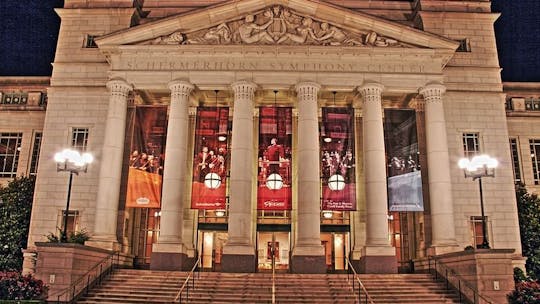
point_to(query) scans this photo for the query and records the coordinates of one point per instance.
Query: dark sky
(29, 29)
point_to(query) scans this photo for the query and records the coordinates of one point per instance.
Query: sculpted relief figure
(250, 32)
(217, 35)
(331, 35)
(174, 38)
(373, 39)
(303, 32)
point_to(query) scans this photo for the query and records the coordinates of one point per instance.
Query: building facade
(308, 133)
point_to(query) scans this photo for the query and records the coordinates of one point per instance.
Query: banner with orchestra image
(338, 159)
(403, 164)
(149, 131)
(210, 159)
(274, 159)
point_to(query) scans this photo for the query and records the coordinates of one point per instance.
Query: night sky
(29, 29)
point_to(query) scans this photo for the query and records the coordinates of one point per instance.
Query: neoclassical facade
(423, 66)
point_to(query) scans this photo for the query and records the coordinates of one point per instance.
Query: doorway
(210, 245)
(336, 248)
(273, 244)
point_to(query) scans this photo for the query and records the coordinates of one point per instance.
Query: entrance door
(336, 247)
(210, 244)
(276, 244)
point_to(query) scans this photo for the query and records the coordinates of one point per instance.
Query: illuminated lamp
(274, 182)
(212, 181)
(336, 182)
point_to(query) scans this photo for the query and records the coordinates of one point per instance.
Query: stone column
(378, 256)
(443, 237)
(110, 173)
(239, 252)
(168, 253)
(308, 253)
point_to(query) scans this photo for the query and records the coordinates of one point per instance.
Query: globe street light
(73, 162)
(476, 168)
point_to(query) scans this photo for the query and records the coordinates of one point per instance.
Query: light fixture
(476, 168)
(274, 182)
(328, 139)
(212, 180)
(74, 163)
(220, 137)
(220, 213)
(336, 182)
(327, 214)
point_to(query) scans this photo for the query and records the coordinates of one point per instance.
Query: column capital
(119, 86)
(432, 90)
(180, 87)
(370, 89)
(308, 88)
(244, 89)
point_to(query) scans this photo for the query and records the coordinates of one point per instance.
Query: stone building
(294, 100)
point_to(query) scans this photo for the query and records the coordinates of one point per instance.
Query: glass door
(336, 248)
(276, 244)
(210, 244)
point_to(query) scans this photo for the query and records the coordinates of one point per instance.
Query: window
(471, 144)
(72, 221)
(514, 151)
(509, 105)
(464, 45)
(16, 98)
(10, 146)
(35, 153)
(532, 104)
(79, 139)
(90, 41)
(477, 229)
(534, 145)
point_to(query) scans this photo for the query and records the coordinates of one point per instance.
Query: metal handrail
(459, 286)
(361, 287)
(185, 285)
(273, 278)
(89, 279)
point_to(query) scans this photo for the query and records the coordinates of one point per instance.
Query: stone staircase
(407, 288)
(143, 286)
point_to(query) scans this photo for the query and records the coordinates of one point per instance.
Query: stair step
(146, 286)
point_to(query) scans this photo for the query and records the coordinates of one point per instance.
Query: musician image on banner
(210, 159)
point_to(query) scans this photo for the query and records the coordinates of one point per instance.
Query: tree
(15, 209)
(529, 227)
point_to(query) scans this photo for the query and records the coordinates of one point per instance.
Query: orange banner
(146, 157)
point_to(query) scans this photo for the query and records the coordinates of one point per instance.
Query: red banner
(338, 160)
(146, 157)
(274, 172)
(210, 159)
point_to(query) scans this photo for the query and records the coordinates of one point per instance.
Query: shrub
(14, 286)
(525, 293)
(78, 237)
(15, 208)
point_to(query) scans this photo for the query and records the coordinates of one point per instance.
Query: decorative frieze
(277, 25)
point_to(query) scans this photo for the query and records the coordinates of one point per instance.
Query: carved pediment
(277, 25)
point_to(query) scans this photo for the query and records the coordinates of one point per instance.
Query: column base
(378, 259)
(378, 264)
(170, 261)
(107, 243)
(238, 263)
(442, 249)
(308, 264)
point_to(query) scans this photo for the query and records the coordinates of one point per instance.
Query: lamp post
(476, 168)
(74, 163)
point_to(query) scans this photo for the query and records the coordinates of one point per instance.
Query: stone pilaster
(168, 253)
(378, 256)
(110, 173)
(308, 254)
(440, 184)
(239, 252)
